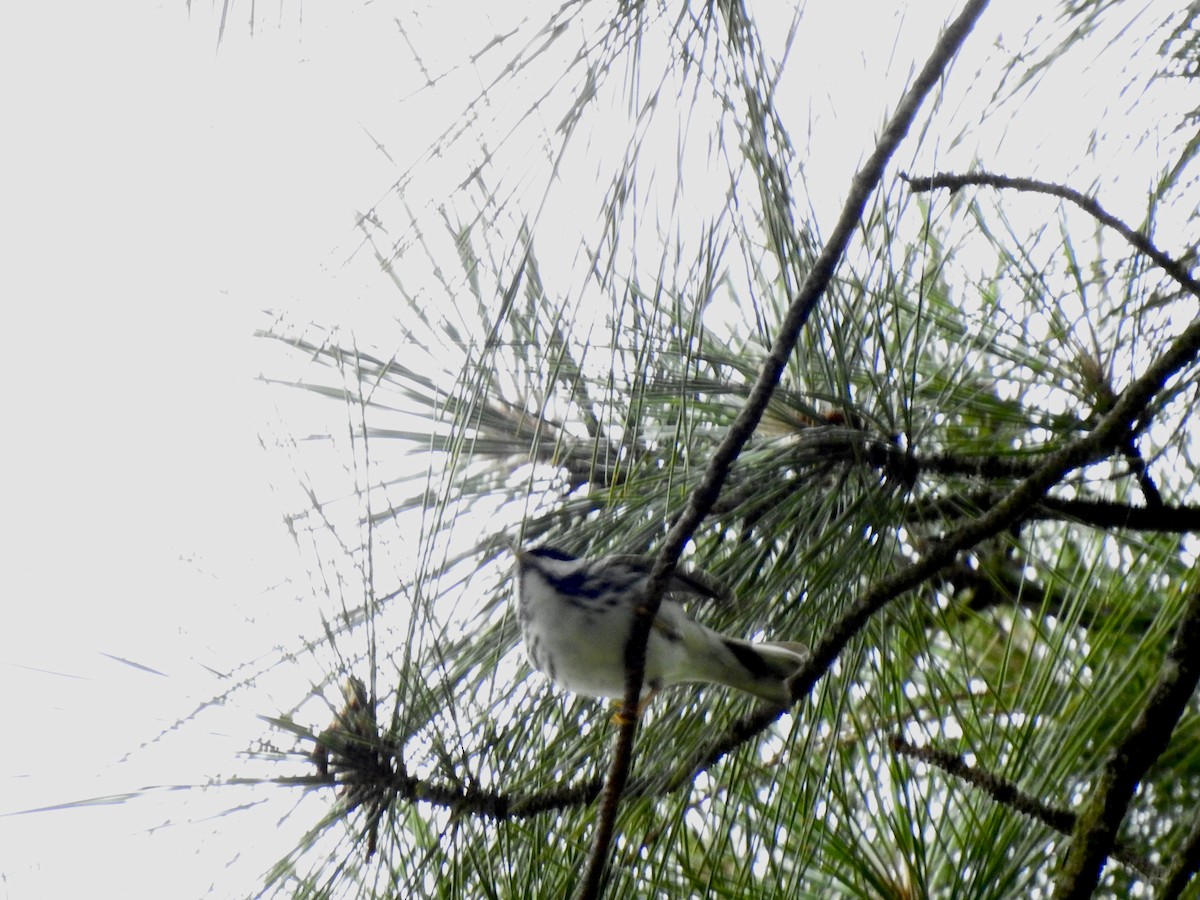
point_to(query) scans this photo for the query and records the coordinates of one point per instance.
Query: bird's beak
(516, 550)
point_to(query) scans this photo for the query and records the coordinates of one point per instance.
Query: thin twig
(1094, 513)
(460, 799)
(706, 493)
(1141, 472)
(1008, 794)
(1089, 205)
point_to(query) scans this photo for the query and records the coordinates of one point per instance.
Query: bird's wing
(683, 581)
(673, 622)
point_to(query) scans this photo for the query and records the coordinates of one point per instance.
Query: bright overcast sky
(155, 196)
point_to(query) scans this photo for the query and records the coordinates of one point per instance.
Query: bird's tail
(761, 669)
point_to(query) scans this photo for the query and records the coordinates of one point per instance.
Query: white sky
(154, 196)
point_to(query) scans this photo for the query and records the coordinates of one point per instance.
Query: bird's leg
(619, 718)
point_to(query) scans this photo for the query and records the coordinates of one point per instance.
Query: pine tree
(932, 420)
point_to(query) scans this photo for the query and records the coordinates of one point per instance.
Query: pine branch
(1095, 833)
(1095, 513)
(1089, 205)
(1186, 865)
(1008, 794)
(1003, 515)
(706, 493)
(1141, 471)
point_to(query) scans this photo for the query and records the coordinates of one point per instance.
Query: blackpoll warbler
(576, 616)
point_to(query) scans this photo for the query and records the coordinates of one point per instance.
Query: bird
(576, 617)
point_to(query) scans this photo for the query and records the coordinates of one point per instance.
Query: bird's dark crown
(552, 553)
